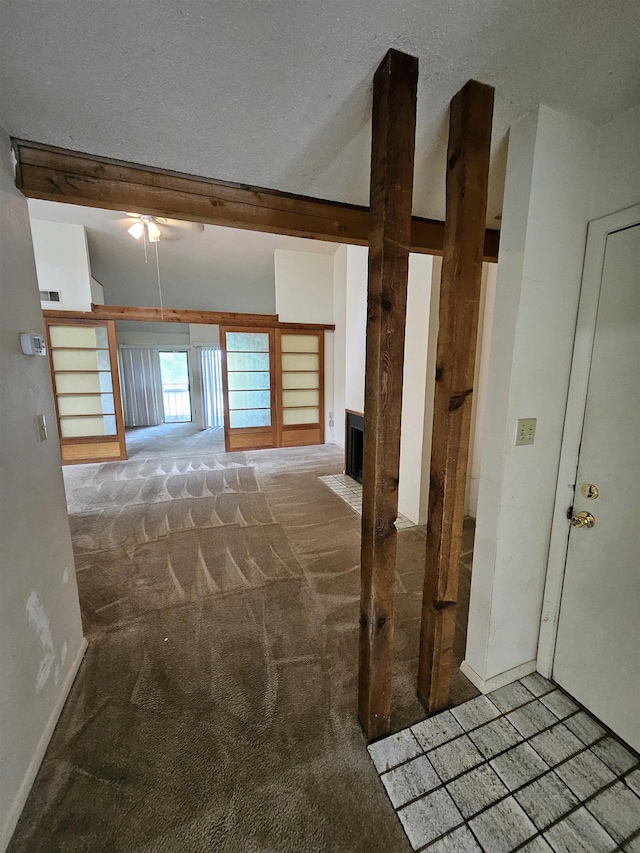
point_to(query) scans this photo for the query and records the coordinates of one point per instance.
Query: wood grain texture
(467, 184)
(57, 174)
(392, 156)
(179, 315)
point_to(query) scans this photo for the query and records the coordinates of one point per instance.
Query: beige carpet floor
(215, 709)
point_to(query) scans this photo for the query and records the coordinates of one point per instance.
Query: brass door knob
(583, 519)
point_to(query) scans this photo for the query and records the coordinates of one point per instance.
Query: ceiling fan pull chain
(159, 285)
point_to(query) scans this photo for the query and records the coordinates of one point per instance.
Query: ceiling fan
(153, 228)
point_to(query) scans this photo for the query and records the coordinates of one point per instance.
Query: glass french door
(176, 391)
(84, 372)
(250, 419)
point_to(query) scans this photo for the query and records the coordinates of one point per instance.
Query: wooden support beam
(56, 174)
(392, 155)
(183, 315)
(180, 315)
(467, 183)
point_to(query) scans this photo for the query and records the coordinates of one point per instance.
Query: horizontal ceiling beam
(182, 315)
(56, 174)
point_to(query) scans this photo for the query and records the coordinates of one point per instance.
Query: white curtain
(141, 386)
(212, 397)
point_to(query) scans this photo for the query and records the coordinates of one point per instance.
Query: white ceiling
(230, 268)
(277, 93)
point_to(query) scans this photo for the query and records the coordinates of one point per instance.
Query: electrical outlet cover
(525, 431)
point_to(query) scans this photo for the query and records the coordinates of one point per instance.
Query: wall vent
(50, 296)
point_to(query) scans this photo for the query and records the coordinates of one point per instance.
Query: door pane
(249, 418)
(291, 399)
(300, 416)
(300, 361)
(176, 396)
(249, 399)
(300, 380)
(246, 381)
(87, 404)
(256, 361)
(81, 359)
(84, 427)
(91, 337)
(247, 342)
(83, 383)
(300, 343)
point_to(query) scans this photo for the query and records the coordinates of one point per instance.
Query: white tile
(618, 810)
(495, 737)
(546, 800)
(394, 750)
(585, 774)
(475, 712)
(559, 704)
(519, 765)
(536, 845)
(579, 832)
(632, 846)
(476, 790)
(410, 780)
(459, 841)
(455, 757)
(633, 781)
(429, 818)
(614, 755)
(537, 684)
(510, 696)
(584, 727)
(503, 827)
(531, 718)
(556, 744)
(437, 730)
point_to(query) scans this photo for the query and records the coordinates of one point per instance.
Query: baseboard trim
(486, 685)
(34, 765)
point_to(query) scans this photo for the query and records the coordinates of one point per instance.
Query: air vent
(49, 296)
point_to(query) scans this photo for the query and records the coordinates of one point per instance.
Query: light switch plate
(526, 431)
(41, 423)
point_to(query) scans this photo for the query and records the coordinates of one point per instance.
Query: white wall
(304, 283)
(480, 381)
(415, 431)
(97, 291)
(618, 178)
(41, 640)
(551, 166)
(304, 286)
(339, 343)
(62, 263)
(356, 327)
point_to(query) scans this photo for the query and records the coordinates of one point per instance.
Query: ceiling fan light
(136, 230)
(154, 232)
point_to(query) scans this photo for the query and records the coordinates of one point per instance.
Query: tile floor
(351, 492)
(523, 768)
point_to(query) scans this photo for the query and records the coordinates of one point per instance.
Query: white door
(597, 656)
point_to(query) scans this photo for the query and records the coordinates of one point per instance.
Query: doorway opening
(176, 390)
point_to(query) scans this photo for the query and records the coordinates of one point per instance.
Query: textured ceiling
(277, 92)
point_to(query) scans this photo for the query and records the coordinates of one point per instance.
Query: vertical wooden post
(467, 184)
(392, 154)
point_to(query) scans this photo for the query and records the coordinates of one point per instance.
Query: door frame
(597, 235)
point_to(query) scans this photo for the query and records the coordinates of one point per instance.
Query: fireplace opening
(355, 445)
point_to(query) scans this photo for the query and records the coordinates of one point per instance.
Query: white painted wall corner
(34, 765)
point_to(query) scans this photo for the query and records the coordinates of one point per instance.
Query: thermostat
(32, 344)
